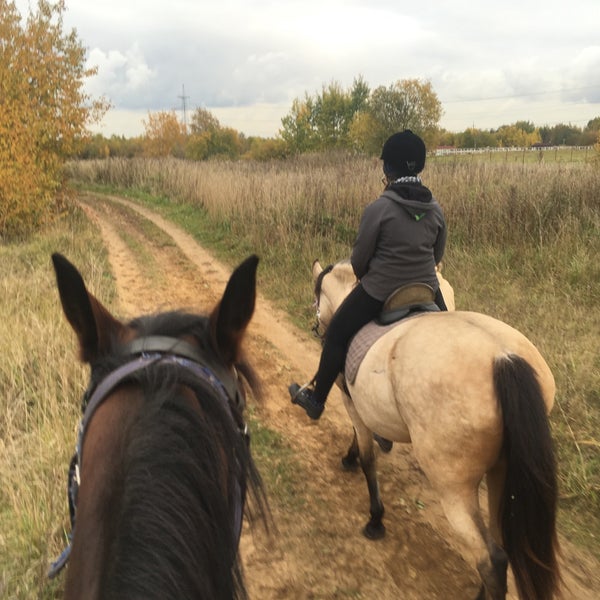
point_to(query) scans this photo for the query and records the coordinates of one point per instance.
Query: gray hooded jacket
(401, 237)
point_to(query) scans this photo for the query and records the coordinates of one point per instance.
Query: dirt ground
(317, 550)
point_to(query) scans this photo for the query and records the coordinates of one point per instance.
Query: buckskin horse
(159, 480)
(472, 395)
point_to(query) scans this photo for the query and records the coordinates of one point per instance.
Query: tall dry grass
(291, 212)
(524, 241)
(41, 383)
(495, 203)
(523, 246)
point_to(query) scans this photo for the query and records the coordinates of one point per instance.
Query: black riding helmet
(403, 154)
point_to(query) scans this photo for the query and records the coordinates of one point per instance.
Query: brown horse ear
(231, 316)
(94, 325)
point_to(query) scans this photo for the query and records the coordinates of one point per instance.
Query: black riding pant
(355, 312)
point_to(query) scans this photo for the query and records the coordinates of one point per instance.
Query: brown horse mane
(172, 533)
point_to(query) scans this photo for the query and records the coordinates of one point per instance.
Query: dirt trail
(318, 550)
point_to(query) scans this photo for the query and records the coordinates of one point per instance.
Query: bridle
(163, 350)
(144, 353)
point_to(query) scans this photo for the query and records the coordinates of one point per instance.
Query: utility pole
(184, 98)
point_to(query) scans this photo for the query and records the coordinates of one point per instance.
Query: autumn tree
(164, 134)
(209, 139)
(406, 104)
(44, 111)
(590, 132)
(360, 118)
(263, 149)
(225, 142)
(297, 126)
(203, 126)
(561, 134)
(323, 122)
(476, 138)
(334, 110)
(515, 136)
(99, 147)
(203, 121)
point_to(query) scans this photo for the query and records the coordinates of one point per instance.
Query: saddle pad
(361, 343)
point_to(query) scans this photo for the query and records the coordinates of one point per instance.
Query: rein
(148, 352)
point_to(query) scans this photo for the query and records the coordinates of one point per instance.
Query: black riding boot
(305, 397)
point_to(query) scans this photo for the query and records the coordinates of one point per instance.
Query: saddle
(407, 301)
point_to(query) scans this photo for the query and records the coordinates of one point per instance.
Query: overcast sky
(490, 63)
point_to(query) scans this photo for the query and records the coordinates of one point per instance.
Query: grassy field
(524, 241)
(548, 155)
(41, 383)
(39, 401)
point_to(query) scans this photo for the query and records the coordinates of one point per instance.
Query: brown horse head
(163, 455)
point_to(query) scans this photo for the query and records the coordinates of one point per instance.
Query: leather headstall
(145, 352)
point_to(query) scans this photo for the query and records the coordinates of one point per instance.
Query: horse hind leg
(495, 479)
(463, 513)
(350, 460)
(493, 574)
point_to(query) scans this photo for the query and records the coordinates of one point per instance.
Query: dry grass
(39, 402)
(523, 246)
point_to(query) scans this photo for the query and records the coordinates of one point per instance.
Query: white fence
(489, 150)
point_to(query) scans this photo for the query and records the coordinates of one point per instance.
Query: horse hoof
(373, 531)
(349, 464)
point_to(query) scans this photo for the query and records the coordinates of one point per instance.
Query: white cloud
(585, 73)
(231, 54)
(119, 74)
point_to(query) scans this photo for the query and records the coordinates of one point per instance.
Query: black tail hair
(528, 506)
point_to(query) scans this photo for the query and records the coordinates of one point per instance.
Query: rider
(401, 238)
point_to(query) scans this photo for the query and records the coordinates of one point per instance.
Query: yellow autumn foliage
(164, 135)
(44, 112)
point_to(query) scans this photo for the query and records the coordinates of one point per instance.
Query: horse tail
(529, 500)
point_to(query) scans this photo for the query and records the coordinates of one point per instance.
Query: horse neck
(337, 287)
(102, 452)
(122, 543)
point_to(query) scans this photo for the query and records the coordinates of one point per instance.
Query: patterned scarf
(407, 179)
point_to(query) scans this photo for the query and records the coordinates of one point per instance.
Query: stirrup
(294, 389)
